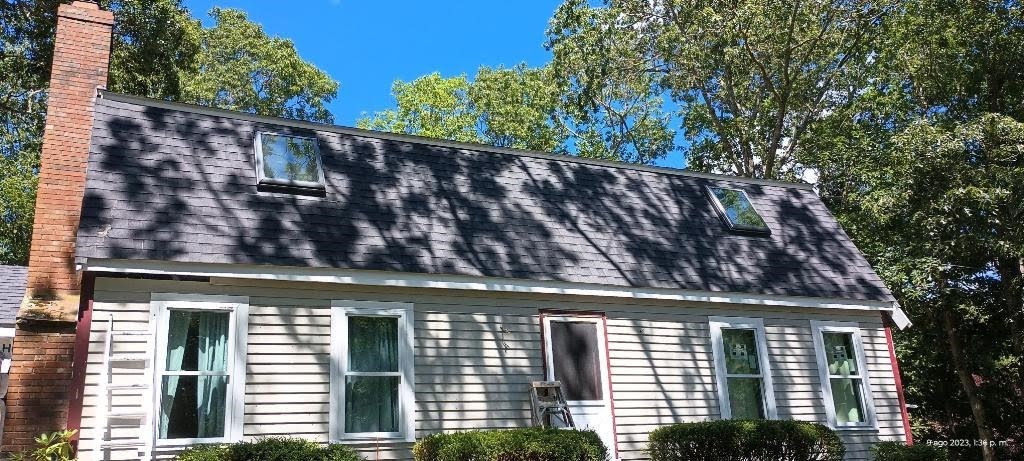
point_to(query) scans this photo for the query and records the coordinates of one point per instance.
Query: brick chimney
(40, 379)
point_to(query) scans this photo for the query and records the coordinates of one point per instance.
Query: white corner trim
(466, 282)
(817, 328)
(340, 311)
(716, 324)
(7, 332)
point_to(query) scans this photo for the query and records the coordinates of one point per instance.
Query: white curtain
(211, 391)
(177, 336)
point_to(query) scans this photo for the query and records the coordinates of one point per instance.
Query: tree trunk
(967, 383)
(1011, 277)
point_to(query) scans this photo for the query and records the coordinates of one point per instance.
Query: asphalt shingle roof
(176, 183)
(12, 290)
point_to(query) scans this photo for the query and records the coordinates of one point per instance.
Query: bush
(529, 444)
(745, 440)
(270, 449)
(54, 446)
(897, 451)
(206, 453)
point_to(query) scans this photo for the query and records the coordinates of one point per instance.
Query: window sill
(185, 443)
(855, 428)
(368, 437)
(311, 191)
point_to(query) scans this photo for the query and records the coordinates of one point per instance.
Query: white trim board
(465, 282)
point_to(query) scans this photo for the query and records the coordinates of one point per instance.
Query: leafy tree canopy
(748, 78)
(159, 50)
(525, 108)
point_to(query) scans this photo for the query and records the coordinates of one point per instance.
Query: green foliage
(158, 50)
(749, 77)
(55, 446)
(240, 68)
(925, 172)
(525, 108)
(205, 453)
(506, 107)
(431, 106)
(745, 440)
(270, 449)
(529, 444)
(897, 451)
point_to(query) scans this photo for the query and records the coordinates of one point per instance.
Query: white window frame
(161, 305)
(341, 310)
(716, 325)
(818, 328)
(720, 208)
(262, 179)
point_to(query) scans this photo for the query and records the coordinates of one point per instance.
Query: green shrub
(54, 446)
(271, 449)
(897, 451)
(529, 444)
(745, 440)
(205, 453)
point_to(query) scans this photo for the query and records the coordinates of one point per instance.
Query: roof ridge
(415, 139)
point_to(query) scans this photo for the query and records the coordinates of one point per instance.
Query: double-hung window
(199, 367)
(742, 371)
(372, 370)
(845, 386)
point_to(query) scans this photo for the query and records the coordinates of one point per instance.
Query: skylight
(288, 161)
(735, 208)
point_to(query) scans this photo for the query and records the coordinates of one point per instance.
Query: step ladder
(106, 418)
(548, 402)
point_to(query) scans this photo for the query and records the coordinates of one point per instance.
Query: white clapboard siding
(477, 352)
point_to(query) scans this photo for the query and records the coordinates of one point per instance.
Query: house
(290, 278)
(12, 290)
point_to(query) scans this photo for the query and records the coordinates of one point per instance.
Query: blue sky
(366, 45)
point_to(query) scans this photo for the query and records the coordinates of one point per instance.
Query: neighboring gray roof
(12, 290)
(176, 182)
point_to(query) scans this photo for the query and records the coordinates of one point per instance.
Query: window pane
(197, 340)
(192, 406)
(371, 404)
(740, 352)
(373, 344)
(745, 398)
(738, 209)
(576, 359)
(841, 356)
(290, 158)
(847, 400)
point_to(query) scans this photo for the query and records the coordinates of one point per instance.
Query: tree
(925, 171)
(240, 68)
(524, 108)
(158, 50)
(431, 106)
(749, 77)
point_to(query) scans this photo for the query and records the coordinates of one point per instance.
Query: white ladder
(142, 417)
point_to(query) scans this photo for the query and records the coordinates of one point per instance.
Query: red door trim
(81, 354)
(899, 383)
(607, 355)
